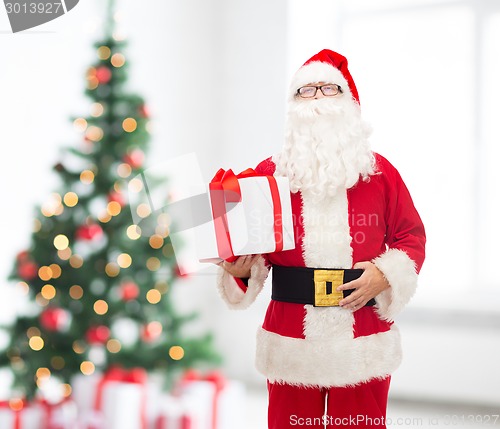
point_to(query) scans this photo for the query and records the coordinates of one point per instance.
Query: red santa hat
(325, 66)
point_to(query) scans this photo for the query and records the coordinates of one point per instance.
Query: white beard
(326, 146)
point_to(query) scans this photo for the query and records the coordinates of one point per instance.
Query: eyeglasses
(328, 90)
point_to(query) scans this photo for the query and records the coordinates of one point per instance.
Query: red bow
(215, 377)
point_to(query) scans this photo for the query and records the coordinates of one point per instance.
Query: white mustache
(306, 109)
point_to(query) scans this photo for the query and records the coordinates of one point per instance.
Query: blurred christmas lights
(153, 263)
(133, 232)
(103, 52)
(118, 60)
(87, 367)
(61, 242)
(76, 292)
(124, 260)
(176, 352)
(80, 124)
(153, 296)
(36, 343)
(87, 177)
(112, 269)
(113, 346)
(129, 125)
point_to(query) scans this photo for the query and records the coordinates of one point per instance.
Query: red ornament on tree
(151, 332)
(117, 197)
(97, 334)
(89, 232)
(129, 290)
(135, 158)
(27, 270)
(103, 74)
(144, 111)
(54, 319)
(23, 255)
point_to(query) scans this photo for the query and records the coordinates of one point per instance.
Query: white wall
(41, 86)
(449, 356)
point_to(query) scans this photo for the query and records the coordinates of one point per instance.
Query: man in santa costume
(328, 344)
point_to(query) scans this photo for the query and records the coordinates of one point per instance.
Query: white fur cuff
(233, 295)
(400, 272)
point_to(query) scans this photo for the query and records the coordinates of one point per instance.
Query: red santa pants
(360, 406)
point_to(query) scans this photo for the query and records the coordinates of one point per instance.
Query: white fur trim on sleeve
(231, 293)
(400, 272)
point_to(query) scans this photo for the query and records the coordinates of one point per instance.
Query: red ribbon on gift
(134, 375)
(49, 408)
(219, 382)
(17, 408)
(185, 422)
(224, 188)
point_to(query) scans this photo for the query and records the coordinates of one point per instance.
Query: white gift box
(210, 408)
(230, 407)
(84, 391)
(122, 404)
(65, 417)
(175, 413)
(255, 224)
(30, 417)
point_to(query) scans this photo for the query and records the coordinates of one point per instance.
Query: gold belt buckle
(325, 287)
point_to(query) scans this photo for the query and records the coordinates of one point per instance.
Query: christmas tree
(98, 286)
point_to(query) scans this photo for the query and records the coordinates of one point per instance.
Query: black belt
(314, 286)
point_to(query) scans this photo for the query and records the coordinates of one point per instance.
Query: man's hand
(368, 286)
(241, 267)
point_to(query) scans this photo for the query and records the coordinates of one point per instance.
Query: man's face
(326, 142)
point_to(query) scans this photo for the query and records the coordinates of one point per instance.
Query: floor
(400, 414)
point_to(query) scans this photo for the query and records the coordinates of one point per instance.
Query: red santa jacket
(305, 345)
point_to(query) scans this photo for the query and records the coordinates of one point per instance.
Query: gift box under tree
(37, 414)
(203, 402)
(114, 400)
